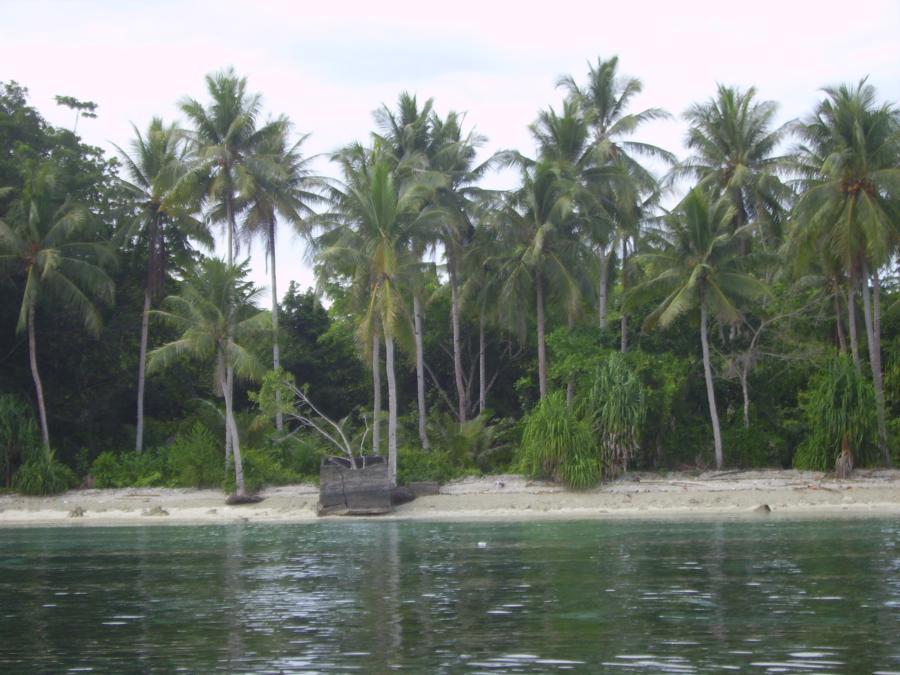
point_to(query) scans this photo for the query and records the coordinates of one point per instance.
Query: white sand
(790, 494)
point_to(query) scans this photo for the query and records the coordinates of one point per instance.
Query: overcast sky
(328, 65)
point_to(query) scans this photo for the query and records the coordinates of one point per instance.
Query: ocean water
(766, 596)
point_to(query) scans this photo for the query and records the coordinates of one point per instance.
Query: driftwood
(354, 487)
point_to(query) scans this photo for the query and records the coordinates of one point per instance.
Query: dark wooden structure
(346, 490)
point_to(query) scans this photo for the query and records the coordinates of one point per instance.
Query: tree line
(575, 310)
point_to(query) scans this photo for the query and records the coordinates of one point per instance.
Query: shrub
(415, 464)
(261, 467)
(839, 409)
(754, 448)
(557, 443)
(616, 408)
(19, 436)
(475, 443)
(129, 469)
(42, 474)
(196, 459)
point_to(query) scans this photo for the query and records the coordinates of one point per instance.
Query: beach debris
(499, 484)
(482, 544)
(155, 511)
(237, 500)
(401, 495)
(763, 508)
(77, 512)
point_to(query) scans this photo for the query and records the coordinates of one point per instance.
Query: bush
(129, 469)
(42, 474)
(261, 468)
(415, 464)
(19, 436)
(839, 409)
(754, 448)
(302, 454)
(475, 443)
(558, 444)
(196, 459)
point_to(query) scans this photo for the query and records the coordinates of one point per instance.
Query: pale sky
(328, 65)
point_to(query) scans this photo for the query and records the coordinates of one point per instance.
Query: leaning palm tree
(47, 242)
(699, 267)
(214, 315)
(850, 162)
(164, 225)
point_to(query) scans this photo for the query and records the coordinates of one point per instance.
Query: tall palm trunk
(376, 393)
(231, 428)
(623, 346)
(36, 376)
(420, 370)
(839, 325)
(710, 391)
(602, 305)
(142, 368)
(392, 408)
(542, 353)
(873, 341)
(851, 322)
(457, 341)
(276, 355)
(482, 365)
(570, 385)
(876, 319)
(231, 226)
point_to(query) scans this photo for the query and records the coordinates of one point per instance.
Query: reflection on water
(765, 597)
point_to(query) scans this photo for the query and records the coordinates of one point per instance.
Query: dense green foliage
(512, 329)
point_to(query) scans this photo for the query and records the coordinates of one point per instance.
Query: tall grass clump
(840, 414)
(19, 436)
(43, 474)
(615, 407)
(557, 443)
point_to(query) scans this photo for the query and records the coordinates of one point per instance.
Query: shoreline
(726, 495)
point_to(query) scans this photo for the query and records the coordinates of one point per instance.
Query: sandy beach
(739, 494)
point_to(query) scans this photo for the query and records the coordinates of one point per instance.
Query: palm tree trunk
(873, 343)
(276, 355)
(851, 322)
(482, 365)
(745, 393)
(392, 408)
(142, 367)
(231, 226)
(603, 293)
(542, 353)
(876, 320)
(376, 393)
(35, 375)
(570, 385)
(457, 342)
(842, 342)
(420, 370)
(623, 346)
(710, 391)
(231, 426)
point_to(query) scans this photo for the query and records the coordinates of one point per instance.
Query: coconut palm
(371, 223)
(286, 192)
(164, 225)
(699, 268)
(849, 158)
(733, 142)
(48, 242)
(226, 142)
(542, 255)
(214, 315)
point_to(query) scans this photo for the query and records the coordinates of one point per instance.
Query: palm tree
(699, 268)
(615, 170)
(48, 240)
(541, 253)
(214, 315)
(226, 142)
(287, 193)
(851, 183)
(733, 143)
(154, 167)
(371, 224)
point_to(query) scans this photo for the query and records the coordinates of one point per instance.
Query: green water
(762, 596)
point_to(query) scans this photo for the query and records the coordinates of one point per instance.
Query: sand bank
(739, 494)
